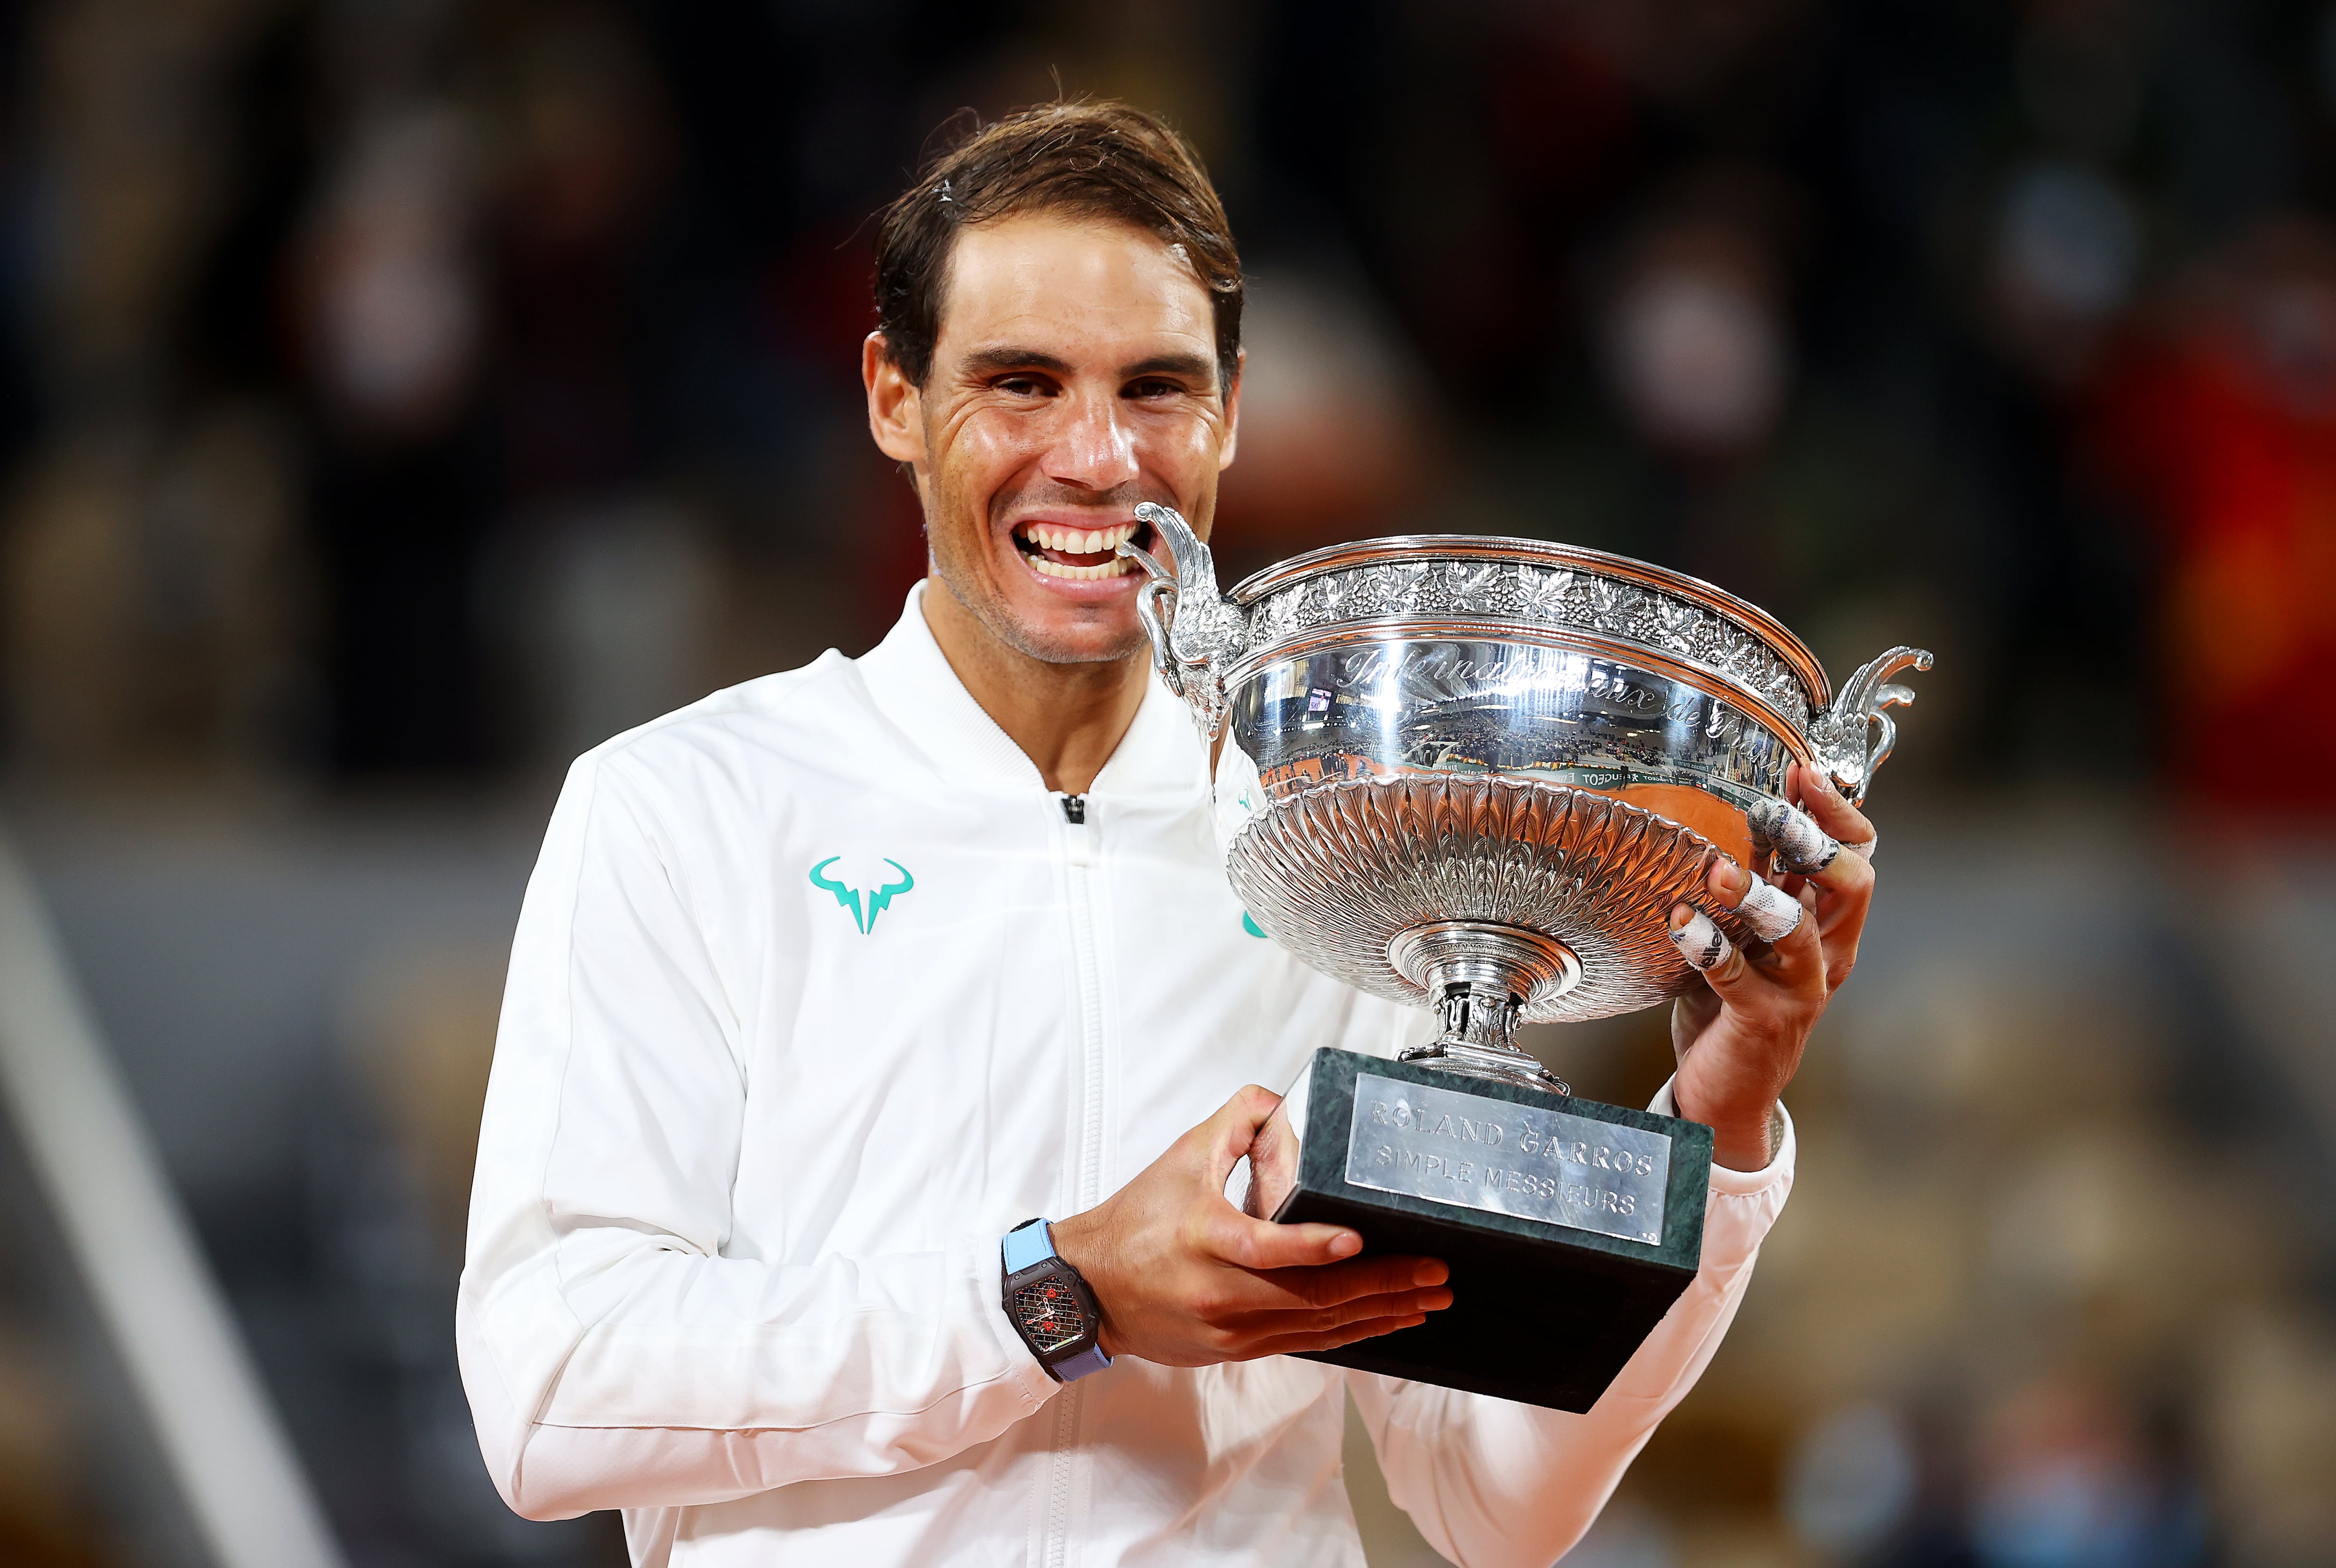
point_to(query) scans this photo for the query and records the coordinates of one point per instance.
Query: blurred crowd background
(399, 396)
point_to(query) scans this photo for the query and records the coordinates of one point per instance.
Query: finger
(1328, 1289)
(1801, 948)
(1273, 1322)
(1772, 912)
(1703, 944)
(1847, 884)
(1229, 1134)
(1803, 845)
(1249, 1125)
(1262, 1246)
(1307, 1344)
(1810, 852)
(1788, 964)
(1831, 811)
(1840, 920)
(1844, 889)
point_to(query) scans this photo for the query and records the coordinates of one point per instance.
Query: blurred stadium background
(399, 396)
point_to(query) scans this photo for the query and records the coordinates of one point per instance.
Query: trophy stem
(1481, 977)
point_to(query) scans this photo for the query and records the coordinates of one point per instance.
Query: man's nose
(1095, 448)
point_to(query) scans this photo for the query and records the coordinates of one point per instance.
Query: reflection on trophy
(1474, 775)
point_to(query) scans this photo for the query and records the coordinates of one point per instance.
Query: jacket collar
(910, 682)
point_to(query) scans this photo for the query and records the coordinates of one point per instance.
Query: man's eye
(1021, 385)
(1154, 389)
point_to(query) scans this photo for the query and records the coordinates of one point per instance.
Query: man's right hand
(1184, 1279)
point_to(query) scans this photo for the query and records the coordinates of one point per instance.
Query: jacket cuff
(1742, 1183)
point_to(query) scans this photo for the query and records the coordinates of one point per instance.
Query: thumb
(1232, 1131)
(1251, 1241)
(1273, 1167)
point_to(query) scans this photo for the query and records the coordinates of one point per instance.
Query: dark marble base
(1543, 1314)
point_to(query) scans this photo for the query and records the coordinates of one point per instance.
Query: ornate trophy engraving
(1475, 774)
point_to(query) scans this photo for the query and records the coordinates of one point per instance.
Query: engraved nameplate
(1475, 1153)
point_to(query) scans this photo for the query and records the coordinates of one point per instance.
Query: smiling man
(827, 985)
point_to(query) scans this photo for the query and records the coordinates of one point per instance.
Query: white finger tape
(1793, 834)
(1700, 941)
(1770, 911)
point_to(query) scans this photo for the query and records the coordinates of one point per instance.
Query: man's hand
(1187, 1280)
(1739, 1036)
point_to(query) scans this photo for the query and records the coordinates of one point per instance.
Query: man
(827, 983)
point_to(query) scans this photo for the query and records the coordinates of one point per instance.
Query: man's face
(1074, 377)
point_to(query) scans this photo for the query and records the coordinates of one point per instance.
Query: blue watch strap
(1071, 1368)
(1032, 1243)
(1029, 1243)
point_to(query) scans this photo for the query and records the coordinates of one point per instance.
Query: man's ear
(895, 407)
(1232, 411)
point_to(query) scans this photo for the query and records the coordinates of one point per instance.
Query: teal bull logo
(864, 906)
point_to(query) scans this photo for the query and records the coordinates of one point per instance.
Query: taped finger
(1772, 912)
(1701, 942)
(1816, 794)
(1804, 847)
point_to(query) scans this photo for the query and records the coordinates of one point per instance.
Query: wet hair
(1096, 160)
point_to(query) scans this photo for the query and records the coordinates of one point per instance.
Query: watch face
(1049, 1314)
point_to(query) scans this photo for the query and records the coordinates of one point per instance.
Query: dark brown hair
(1104, 160)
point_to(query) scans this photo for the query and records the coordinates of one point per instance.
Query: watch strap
(1031, 1242)
(1071, 1368)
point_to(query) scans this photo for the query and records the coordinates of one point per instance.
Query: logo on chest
(862, 904)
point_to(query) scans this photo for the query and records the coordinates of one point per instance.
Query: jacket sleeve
(1492, 1483)
(613, 1355)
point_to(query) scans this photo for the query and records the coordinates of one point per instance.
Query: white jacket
(816, 992)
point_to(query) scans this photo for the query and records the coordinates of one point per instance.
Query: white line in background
(153, 1288)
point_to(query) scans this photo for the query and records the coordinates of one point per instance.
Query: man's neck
(1068, 718)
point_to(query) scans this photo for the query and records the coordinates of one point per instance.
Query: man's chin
(1050, 628)
(1081, 648)
(1056, 636)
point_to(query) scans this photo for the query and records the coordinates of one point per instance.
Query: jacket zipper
(1087, 1186)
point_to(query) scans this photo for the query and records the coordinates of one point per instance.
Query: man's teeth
(1078, 541)
(1047, 569)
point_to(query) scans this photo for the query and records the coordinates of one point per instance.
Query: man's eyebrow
(1193, 367)
(984, 362)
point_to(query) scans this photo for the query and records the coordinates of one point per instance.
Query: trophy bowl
(1475, 774)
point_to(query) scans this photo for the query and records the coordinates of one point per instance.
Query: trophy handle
(1199, 634)
(1854, 737)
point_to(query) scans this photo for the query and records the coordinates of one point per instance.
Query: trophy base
(1570, 1227)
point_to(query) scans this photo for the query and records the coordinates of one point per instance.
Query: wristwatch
(1050, 1304)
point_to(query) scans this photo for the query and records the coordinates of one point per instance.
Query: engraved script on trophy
(1472, 1152)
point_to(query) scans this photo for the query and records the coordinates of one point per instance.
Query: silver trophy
(1474, 775)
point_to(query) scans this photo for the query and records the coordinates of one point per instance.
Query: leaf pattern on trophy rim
(1494, 588)
(1372, 591)
(1431, 591)
(1676, 622)
(1521, 591)
(1642, 619)
(1545, 591)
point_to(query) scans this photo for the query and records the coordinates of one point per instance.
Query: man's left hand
(1739, 1035)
